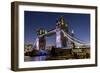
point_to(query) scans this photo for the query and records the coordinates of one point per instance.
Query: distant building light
(72, 31)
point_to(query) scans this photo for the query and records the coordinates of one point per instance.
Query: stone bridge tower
(41, 40)
(61, 40)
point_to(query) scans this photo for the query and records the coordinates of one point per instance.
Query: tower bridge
(63, 38)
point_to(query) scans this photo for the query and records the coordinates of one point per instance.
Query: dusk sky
(80, 23)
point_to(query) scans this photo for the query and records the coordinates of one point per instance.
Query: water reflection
(36, 58)
(41, 56)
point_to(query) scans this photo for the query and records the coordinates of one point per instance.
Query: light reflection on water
(39, 58)
(42, 56)
(36, 58)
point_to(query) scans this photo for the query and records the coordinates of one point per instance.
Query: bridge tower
(61, 40)
(41, 41)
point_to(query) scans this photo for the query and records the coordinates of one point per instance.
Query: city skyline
(80, 23)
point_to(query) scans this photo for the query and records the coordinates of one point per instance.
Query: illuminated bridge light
(41, 31)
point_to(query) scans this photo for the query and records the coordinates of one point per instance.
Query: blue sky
(80, 23)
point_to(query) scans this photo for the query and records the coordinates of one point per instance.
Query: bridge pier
(40, 43)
